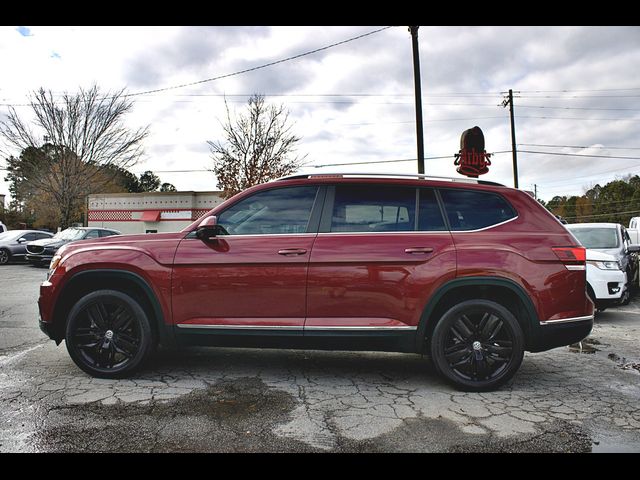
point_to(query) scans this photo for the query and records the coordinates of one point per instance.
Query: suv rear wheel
(108, 334)
(477, 345)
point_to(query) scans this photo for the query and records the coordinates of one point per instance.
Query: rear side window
(473, 210)
(373, 208)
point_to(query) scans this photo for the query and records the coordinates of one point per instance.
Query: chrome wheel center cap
(477, 346)
(109, 335)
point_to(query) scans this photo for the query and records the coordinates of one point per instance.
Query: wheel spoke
(127, 343)
(120, 316)
(455, 353)
(460, 330)
(502, 352)
(95, 316)
(491, 329)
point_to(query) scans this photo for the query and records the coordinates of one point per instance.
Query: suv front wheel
(477, 345)
(108, 334)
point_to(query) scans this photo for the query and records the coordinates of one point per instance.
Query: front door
(254, 278)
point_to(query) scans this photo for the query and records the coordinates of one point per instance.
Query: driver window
(277, 211)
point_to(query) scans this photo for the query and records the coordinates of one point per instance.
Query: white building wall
(125, 211)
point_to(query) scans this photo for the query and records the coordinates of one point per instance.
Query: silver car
(13, 243)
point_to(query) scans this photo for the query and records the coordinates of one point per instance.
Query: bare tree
(83, 135)
(259, 147)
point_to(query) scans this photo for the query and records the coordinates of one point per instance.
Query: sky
(576, 94)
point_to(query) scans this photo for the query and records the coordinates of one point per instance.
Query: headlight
(605, 265)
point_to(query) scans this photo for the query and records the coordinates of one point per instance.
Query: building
(151, 212)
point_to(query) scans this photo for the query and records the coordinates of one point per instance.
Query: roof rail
(388, 175)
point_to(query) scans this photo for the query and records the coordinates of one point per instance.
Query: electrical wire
(576, 146)
(252, 69)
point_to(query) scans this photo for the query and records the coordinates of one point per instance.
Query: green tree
(167, 187)
(149, 181)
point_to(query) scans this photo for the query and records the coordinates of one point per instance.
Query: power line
(579, 155)
(579, 118)
(604, 214)
(247, 70)
(394, 161)
(574, 91)
(578, 108)
(577, 146)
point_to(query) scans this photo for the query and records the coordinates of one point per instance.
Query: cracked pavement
(226, 400)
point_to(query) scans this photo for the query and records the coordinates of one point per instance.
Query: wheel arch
(501, 290)
(124, 281)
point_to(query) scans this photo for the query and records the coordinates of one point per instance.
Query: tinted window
(373, 208)
(29, 236)
(92, 234)
(281, 210)
(106, 233)
(43, 235)
(429, 215)
(472, 210)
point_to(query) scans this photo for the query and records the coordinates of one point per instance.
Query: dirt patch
(588, 345)
(229, 416)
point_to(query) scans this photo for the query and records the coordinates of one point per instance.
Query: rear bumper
(559, 333)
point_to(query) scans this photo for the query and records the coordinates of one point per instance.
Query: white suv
(606, 281)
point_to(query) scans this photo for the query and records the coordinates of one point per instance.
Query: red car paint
(305, 283)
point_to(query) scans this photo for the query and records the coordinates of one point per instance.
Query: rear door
(381, 251)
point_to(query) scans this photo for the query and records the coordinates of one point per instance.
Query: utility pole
(509, 101)
(416, 82)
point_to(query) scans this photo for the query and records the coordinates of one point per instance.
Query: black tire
(477, 345)
(5, 256)
(108, 334)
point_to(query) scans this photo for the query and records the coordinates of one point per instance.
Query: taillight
(574, 258)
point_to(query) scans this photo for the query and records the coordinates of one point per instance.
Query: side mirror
(22, 240)
(209, 228)
(634, 248)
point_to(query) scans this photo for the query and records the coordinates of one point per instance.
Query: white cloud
(454, 60)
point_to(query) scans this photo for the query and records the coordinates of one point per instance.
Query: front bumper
(601, 282)
(39, 258)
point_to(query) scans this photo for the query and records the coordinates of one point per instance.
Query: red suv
(470, 272)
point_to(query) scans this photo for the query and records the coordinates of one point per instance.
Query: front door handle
(418, 250)
(292, 251)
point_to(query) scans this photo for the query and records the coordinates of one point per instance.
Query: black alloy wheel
(108, 334)
(5, 256)
(477, 345)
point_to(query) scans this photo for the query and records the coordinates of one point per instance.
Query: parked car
(3, 228)
(471, 272)
(40, 252)
(612, 239)
(13, 243)
(606, 281)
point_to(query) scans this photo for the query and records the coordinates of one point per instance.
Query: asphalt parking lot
(238, 400)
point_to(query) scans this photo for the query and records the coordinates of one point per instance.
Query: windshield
(70, 234)
(597, 237)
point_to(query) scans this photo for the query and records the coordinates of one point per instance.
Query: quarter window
(373, 208)
(277, 211)
(472, 210)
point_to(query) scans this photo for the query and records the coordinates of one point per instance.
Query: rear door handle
(418, 250)
(292, 251)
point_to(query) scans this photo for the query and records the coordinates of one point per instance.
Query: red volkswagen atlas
(471, 272)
